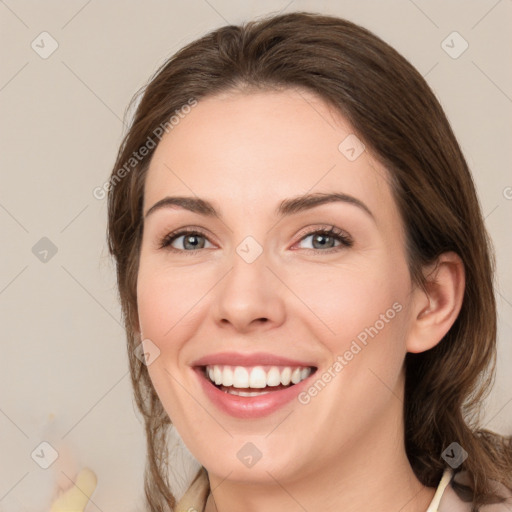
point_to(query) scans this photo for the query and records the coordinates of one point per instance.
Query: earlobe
(437, 307)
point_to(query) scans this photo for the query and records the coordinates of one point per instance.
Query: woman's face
(259, 277)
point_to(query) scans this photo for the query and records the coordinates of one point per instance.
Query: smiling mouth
(255, 380)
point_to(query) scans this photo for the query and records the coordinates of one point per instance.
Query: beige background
(63, 370)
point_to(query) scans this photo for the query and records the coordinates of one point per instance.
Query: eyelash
(345, 239)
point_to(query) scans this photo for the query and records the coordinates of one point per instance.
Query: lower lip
(250, 406)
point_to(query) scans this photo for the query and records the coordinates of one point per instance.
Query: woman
(302, 261)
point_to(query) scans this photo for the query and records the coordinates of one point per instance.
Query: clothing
(445, 499)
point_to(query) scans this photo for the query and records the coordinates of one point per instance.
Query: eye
(325, 239)
(191, 240)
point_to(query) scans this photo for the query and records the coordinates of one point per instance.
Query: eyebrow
(286, 207)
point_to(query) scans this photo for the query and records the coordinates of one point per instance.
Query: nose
(249, 296)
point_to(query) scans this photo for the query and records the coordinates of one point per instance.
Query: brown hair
(395, 113)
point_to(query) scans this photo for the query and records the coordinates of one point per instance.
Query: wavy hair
(395, 113)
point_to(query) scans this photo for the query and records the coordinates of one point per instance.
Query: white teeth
(256, 377)
(217, 375)
(296, 375)
(273, 376)
(304, 373)
(286, 376)
(227, 376)
(240, 377)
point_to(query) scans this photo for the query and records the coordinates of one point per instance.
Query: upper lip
(254, 359)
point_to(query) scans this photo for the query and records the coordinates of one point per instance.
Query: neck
(373, 473)
(389, 491)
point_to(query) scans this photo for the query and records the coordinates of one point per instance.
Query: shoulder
(450, 501)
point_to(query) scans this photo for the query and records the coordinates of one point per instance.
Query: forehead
(251, 150)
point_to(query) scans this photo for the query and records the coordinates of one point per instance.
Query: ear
(436, 309)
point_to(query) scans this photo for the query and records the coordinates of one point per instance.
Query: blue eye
(190, 240)
(324, 240)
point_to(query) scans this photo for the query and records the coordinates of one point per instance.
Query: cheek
(359, 313)
(168, 298)
(366, 313)
(348, 299)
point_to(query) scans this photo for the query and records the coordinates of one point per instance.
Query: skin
(246, 152)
